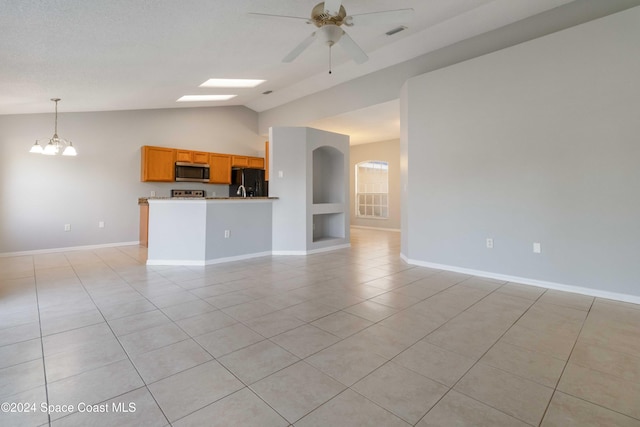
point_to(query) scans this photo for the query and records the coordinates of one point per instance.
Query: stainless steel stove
(187, 193)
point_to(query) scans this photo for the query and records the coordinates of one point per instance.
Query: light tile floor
(353, 337)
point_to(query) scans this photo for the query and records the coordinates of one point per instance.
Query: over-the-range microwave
(193, 172)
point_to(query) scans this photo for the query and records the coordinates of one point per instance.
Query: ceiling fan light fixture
(330, 34)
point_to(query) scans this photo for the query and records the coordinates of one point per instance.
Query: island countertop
(142, 200)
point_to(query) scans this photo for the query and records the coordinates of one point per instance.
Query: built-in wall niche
(328, 175)
(328, 227)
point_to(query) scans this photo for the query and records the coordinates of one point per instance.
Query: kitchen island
(201, 231)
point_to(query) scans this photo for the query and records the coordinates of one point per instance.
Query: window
(372, 189)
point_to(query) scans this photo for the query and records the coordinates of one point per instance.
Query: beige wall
(388, 151)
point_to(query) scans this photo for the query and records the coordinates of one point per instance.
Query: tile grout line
(114, 335)
(555, 388)
(44, 364)
(246, 386)
(483, 354)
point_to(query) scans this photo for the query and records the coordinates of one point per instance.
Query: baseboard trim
(395, 230)
(188, 262)
(328, 248)
(527, 281)
(312, 251)
(69, 249)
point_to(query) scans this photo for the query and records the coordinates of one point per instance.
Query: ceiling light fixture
(232, 83)
(55, 143)
(196, 98)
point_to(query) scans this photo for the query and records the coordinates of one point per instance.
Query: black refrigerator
(253, 181)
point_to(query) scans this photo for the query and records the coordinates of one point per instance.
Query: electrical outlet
(280, 174)
(153, 194)
(489, 243)
(227, 233)
(101, 224)
(67, 227)
(536, 248)
(212, 194)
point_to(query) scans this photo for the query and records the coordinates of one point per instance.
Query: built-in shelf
(328, 175)
(327, 208)
(328, 226)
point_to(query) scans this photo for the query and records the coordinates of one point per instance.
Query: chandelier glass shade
(55, 145)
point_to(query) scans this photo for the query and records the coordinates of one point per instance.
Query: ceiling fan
(329, 16)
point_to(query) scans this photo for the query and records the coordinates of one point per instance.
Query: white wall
(388, 151)
(534, 143)
(39, 194)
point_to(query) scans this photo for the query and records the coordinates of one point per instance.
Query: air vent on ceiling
(396, 30)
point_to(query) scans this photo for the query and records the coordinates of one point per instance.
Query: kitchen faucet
(241, 189)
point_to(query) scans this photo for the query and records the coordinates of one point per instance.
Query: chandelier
(55, 143)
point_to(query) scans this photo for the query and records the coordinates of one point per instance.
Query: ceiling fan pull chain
(329, 59)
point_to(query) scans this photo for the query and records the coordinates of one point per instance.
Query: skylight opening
(197, 98)
(232, 83)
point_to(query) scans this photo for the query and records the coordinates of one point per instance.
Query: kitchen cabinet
(184, 156)
(157, 164)
(144, 223)
(189, 156)
(266, 161)
(240, 161)
(256, 162)
(220, 168)
(200, 157)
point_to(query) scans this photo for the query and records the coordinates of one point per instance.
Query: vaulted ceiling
(143, 54)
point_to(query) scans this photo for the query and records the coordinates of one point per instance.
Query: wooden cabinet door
(220, 168)
(158, 164)
(241, 161)
(200, 157)
(256, 162)
(184, 156)
(144, 224)
(266, 161)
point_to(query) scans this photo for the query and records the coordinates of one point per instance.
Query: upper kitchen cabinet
(240, 161)
(220, 168)
(200, 157)
(184, 156)
(189, 156)
(247, 162)
(256, 162)
(157, 164)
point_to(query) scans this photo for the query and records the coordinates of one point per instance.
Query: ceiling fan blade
(385, 17)
(353, 49)
(269, 16)
(300, 48)
(333, 6)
